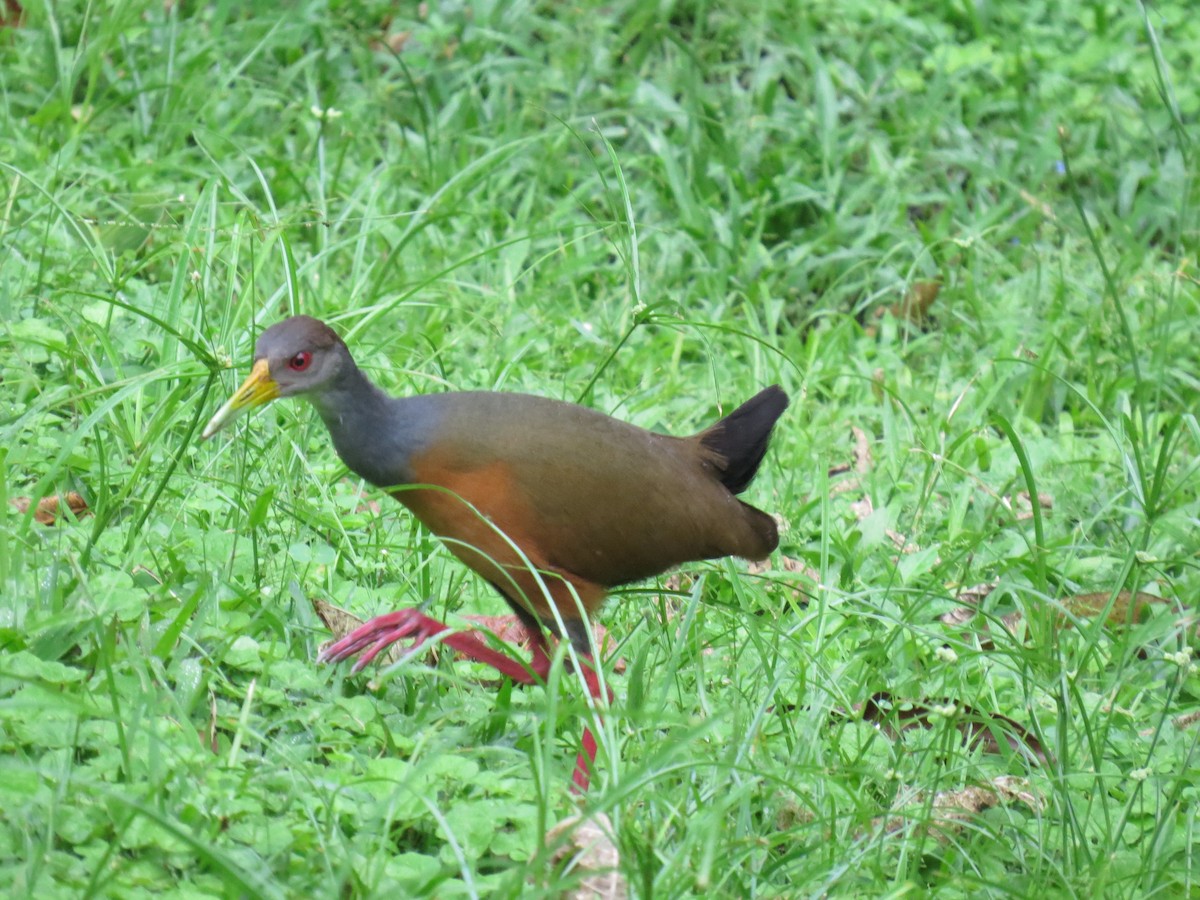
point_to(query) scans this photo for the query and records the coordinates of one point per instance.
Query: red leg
(585, 763)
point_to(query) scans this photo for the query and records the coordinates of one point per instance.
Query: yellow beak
(258, 388)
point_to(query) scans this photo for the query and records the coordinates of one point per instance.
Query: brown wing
(579, 491)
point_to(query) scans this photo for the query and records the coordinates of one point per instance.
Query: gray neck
(370, 431)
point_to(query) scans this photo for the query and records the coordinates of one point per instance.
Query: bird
(552, 503)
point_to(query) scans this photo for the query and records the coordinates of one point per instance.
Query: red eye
(300, 361)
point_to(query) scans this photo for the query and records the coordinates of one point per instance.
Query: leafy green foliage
(656, 209)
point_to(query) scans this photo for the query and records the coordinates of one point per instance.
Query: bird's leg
(585, 762)
(375, 636)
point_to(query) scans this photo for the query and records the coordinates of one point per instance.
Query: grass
(655, 209)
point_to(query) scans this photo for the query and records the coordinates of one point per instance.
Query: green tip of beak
(258, 388)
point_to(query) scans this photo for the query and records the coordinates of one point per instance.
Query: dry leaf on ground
(862, 451)
(892, 716)
(679, 582)
(1186, 721)
(50, 509)
(790, 565)
(917, 302)
(951, 810)
(900, 542)
(1021, 507)
(861, 465)
(975, 594)
(584, 847)
(1126, 607)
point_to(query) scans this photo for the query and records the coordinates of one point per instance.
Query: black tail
(740, 439)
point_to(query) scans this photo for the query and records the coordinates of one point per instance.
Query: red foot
(377, 635)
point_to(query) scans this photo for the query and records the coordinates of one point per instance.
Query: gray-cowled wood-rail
(552, 503)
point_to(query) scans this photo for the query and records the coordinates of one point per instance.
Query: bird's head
(297, 356)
